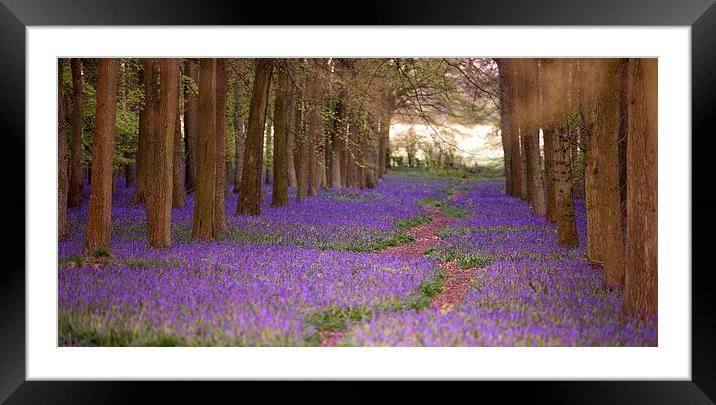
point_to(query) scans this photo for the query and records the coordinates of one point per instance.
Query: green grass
(464, 260)
(412, 221)
(487, 171)
(444, 206)
(338, 318)
(374, 245)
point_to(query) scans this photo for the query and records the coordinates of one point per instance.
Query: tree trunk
(62, 181)
(203, 228)
(220, 193)
(610, 203)
(250, 192)
(128, 172)
(291, 134)
(370, 154)
(504, 126)
(524, 190)
(99, 218)
(640, 288)
(534, 181)
(191, 119)
(238, 128)
(556, 108)
(146, 129)
(161, 175)
(74, 198)
(301, 153)
(280, 154)
(337, 146)
(547, 137)
(267, 168)
(513, 128)
(314, 136)
(623, 132)
(178, 190)
(600, 84)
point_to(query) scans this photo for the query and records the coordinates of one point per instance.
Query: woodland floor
(419, 261)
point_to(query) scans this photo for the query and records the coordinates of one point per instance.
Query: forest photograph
(357, 202)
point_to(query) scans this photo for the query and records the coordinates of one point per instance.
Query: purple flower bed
(224, 294)
(335, 219)
(533, 302)
(252, 288)
(532, 292)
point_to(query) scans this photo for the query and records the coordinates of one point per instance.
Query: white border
(670, 360)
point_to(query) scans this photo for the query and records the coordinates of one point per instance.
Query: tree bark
(62, 181)
(291, 134)
(203, 228)
(531, 136)
(301, 153)
(220, 193)
(191, 118)
(239, 127)
(640, 288)
(280, 154)
(337, 146)
(99, 218)
(161, 175)
(600, 84)
(314, 135)
(250, 192)
(505, 131)
(76, 178)
(178, 190)
(555, 98)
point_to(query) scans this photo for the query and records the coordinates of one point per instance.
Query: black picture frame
(15, 15)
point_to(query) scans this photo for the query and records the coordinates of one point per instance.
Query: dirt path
(458, 279)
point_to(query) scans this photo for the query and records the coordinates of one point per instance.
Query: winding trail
(458, 279)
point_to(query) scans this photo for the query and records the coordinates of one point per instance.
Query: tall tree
(280, 121)
(147, 127)
(203, 228)
(556, 112)
(640, 288)
(161, 173)
(513, 127)
(191, 119)
(220, 195)
(99, 218)
(178, 190)
(76, 177)
(238, 125)
(601, 81)
(337, 147)
(62, 181)
(250, 192)
(301, 152)
(530, 98)
(314, 134)
(291, 132)
(504, 125)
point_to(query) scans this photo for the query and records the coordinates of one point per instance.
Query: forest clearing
(272, 202)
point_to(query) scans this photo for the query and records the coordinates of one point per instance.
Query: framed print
(413, 186)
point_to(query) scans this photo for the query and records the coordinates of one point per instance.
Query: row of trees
(602, 112)
(323, 122)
